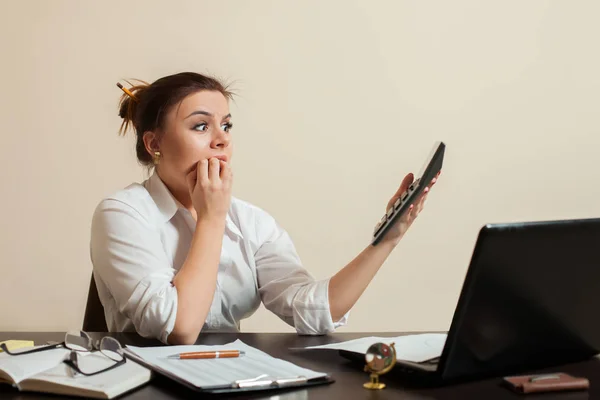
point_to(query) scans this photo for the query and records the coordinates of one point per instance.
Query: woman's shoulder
(246, 210)
(254, 218)
(133, 200)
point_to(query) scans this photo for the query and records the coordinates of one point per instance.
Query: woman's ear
(151, 142)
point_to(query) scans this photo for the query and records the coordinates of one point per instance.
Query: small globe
(380, 357)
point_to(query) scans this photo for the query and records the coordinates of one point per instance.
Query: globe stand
(374, 384)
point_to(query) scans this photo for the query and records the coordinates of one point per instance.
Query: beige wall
(338, 99)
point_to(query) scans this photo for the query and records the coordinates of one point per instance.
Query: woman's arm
(346, 286)
(196, 281)
(210, 190)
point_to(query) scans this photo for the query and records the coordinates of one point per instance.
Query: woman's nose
(221, 139)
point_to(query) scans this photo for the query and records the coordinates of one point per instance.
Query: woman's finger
(406, 182)
(415, 212)
(214, 169)
(425, 194)
(224, 170)
(421, 205)
(202, 172)
(226, 173)
(422, 199)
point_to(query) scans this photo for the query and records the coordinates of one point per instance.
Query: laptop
(530, 300)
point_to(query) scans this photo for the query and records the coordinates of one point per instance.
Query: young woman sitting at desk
(177, 255)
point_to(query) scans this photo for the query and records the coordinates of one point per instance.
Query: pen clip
(278, 383)
(250, 379)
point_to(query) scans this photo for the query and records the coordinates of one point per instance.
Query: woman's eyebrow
(205, 113)
(199, 112)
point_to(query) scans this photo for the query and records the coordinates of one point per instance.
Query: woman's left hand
(400, 227)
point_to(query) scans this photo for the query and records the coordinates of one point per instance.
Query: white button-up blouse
(140, 237)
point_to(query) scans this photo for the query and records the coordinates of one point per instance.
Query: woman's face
(196, 129)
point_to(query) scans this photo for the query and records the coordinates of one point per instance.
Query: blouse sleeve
(285, 286)
(126, 257)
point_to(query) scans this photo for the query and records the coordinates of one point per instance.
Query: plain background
(337, 100)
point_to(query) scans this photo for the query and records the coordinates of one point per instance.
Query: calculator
(430, 169)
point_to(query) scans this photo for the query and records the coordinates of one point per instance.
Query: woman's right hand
(210, 188)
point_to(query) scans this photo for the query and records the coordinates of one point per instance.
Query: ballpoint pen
(198, 355)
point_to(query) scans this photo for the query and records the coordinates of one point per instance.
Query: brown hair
(147, 109)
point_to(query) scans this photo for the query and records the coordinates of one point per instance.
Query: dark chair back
(93, 320)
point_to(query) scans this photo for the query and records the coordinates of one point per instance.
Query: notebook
(45, 372)
(254, 371)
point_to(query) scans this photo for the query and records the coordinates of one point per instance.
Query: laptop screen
(529, 299)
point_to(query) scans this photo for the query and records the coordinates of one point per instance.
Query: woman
(177, 254)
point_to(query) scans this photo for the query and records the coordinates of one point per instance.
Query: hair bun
(128, 104)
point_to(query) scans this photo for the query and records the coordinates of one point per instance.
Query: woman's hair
(147, 105)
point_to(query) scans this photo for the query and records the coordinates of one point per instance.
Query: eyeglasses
(81, 342)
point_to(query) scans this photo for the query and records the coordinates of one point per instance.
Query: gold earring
(156, 157)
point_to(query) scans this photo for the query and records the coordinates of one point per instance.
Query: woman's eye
(201, 127)
(227, 127)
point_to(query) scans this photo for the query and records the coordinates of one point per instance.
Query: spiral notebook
(255, 371)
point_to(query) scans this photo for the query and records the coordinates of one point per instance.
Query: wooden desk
(349, 378)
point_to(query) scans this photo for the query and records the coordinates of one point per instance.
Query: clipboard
(240, 386)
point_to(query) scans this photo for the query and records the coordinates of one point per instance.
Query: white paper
(209, 373)
(112, 382)
(26, 365)
(415, 348)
